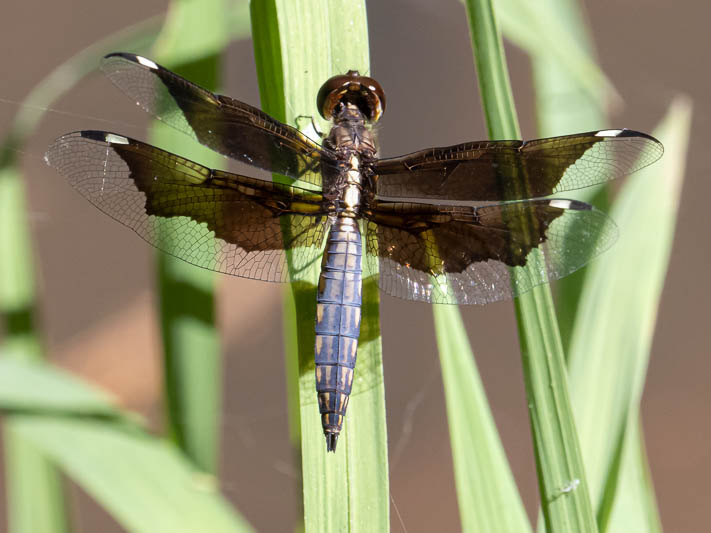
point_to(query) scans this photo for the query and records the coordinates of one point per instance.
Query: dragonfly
(463, 224)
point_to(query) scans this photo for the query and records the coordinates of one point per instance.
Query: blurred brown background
(96, 280)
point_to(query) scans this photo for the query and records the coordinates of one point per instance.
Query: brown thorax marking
(353, 143)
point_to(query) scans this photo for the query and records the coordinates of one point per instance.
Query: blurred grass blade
(17, 283)
(34, 491)
(486, 491)
(35, 499)
(564, 106)
(541, 29)
(34, 386)
(297, 47)
(562, 484)
(635, 505)
(16, 273)
(221, 20)
(190, 44)
(145, 484)
(615, 324)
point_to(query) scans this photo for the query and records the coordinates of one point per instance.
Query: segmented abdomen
(338, 324)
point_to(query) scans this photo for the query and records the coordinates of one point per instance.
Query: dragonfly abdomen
(338, 324)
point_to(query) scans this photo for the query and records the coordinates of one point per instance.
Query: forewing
(221, 123)
(216, 220)
(494, 171)
(475, 255)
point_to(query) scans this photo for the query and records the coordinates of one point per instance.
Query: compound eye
(362, 91)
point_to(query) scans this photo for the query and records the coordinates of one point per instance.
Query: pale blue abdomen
(338, 323)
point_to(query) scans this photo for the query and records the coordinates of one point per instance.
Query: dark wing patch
(221, 123)
(491, 171)
(216, 220)
(475, 255)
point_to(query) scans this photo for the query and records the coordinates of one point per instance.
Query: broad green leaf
(146, 484)
(298, 45)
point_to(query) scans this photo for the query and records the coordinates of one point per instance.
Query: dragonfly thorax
(354, 147)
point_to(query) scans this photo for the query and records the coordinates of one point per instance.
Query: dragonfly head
(351, 88)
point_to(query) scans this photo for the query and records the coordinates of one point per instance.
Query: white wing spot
(115, 139)
(561, 204)
(147, 62)
(608, 133)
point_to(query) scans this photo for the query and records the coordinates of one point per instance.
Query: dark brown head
(351, 88)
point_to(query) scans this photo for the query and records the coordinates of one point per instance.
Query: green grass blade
(17, 284)
(220, 20)
(35, 500)
(298, 45)
(564, 106)
(486, 491)
(562, 484)
(17, 293)
(34, 491)
(190, 44)
(547, 29)
(635, 505)
(16, 290)
(611, 340)
(38, 387)
(487, 495)
(561, 476)
(145, 483)
(493, 73)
